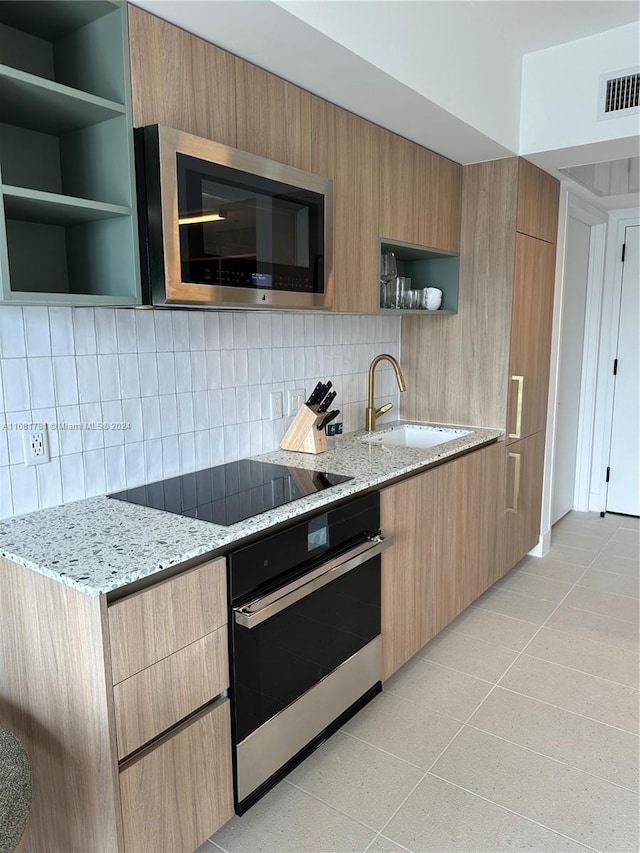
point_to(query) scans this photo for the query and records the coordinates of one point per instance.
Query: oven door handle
(252, 614)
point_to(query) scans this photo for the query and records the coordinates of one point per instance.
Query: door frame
(619, 220)
(596, 218)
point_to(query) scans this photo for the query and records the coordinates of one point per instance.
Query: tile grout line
(518, 655)
(580, 671)
(517, 814)
(329, 805)
(562, 761)
(386, 751)
(429, 771)
(607, 615)
(527, 654)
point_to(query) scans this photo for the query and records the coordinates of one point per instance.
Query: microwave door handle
(258, 611)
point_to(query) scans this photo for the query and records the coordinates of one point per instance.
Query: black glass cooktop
(233, 492)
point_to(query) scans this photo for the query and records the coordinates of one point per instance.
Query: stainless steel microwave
(222, 228)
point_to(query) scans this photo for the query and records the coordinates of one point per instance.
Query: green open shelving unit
(68, 229)
(426, 268)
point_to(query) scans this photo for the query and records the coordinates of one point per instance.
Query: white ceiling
(445, 73)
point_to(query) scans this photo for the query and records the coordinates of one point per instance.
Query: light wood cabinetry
(523, 498)
(346, 149)
(474, 367)
(273, 116)
(532, 315)
(150, 702)
(177, 793)
(420, 195)
(180, 80)
(154, 623)
(57, 695)
(444, 556)
(538, 196)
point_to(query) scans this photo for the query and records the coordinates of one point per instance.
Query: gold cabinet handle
(516, 482)
(520, 381)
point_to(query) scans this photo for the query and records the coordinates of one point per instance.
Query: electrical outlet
(295, 400)
(36, 447)
(275, 399)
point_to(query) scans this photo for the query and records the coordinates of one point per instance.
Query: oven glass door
(282, 657)
(242, 230)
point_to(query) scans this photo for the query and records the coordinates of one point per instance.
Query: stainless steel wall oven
(305, 639)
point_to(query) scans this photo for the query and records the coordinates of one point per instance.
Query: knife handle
(316, 395)
(327, 420)
(328, 400)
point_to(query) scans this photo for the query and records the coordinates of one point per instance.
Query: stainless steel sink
(411, 435)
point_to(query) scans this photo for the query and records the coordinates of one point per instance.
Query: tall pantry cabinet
(489, 364)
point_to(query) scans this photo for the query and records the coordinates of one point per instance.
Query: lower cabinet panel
(152, 701)
(178, 794)
(445, 551)
(524, 468)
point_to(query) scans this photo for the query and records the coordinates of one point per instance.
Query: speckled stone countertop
(98, 545)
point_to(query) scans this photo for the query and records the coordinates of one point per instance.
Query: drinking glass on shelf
(388, 272)
(399, 288)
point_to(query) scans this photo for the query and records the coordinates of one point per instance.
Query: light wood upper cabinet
(420, 195)
(538, 200)
(273, 116)
(524, 466)
(346, 149)
(445, 552)
(180, 80)
(531, 323)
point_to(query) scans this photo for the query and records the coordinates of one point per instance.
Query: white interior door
(574, 300)
(623, 491)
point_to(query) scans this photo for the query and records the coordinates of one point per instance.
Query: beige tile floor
(516, 729)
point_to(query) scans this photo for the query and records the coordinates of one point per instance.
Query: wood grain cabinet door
(467, 508)
(445, 554)
(420, 195)
(538, 201)
(180, 80)
(531, 323)
(180, 792)
(346, 149)
(524, 466)
(274, 116)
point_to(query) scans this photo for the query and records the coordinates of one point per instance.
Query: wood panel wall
(456, 366)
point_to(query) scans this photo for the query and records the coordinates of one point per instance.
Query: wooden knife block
(303, 435)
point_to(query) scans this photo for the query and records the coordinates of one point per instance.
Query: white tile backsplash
(192, 389)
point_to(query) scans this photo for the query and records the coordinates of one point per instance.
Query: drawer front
(156, 622)
(157, 698)
(180, 793)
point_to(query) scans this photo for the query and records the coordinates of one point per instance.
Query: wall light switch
(295, 400)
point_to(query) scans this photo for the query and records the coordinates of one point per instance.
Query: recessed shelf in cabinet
(426, 267)
(55, 209)
(39, 104)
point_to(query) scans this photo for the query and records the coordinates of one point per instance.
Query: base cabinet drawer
(156, 622)
(152, 701)
(180, 792)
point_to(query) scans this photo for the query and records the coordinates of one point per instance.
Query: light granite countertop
(98, 545)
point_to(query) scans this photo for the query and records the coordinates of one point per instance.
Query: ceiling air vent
(619, 94)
